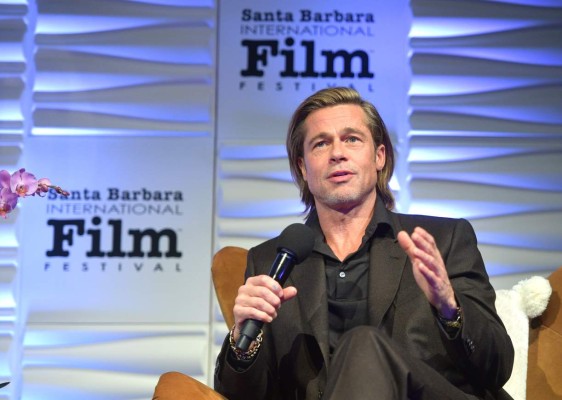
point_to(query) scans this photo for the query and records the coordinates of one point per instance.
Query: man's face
(340, 163)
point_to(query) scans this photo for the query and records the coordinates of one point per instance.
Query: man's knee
(364, 358)
(363, 334)
(368, 343)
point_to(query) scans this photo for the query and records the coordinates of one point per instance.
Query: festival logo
(305, 48)
(113, 229)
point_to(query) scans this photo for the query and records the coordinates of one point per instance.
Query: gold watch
(455, 322)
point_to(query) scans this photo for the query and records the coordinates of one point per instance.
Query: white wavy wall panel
(256, 200)
(124, 67)
(107, 68)
(13, 59)
(486, 127)
(104, 362)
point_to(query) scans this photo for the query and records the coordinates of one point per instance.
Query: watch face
(456, 322)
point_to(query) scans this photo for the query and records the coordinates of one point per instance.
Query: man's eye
(352, 139)
(319, 144)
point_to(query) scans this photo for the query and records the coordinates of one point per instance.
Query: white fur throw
(528, 299)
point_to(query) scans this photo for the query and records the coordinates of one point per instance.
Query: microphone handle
(282, 266)
(249, 332)
(280, 270)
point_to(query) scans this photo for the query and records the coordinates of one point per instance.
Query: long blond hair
(328, 98)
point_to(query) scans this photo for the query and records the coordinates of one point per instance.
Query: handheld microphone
(294, 245)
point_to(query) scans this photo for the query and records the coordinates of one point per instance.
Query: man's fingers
(406, 243)
(288, 293)
(413, 249)
(422, 240)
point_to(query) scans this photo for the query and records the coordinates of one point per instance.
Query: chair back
(545, 347)
(227, 269)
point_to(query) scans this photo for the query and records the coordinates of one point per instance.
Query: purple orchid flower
(8, 201)
(23, 183)
(5, 179)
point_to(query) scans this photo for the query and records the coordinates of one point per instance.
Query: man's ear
(380, 157)
(302, 167)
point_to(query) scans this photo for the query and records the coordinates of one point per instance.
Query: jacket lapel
(310, 279)
(387, 261)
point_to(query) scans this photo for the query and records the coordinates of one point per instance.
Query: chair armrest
(178, 386)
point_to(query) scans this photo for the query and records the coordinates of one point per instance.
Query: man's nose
(338, 150)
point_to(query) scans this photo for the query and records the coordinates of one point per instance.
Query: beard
(342, 199)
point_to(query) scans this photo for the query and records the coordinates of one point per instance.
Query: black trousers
(368, 365)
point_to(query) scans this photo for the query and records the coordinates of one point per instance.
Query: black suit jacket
(293, 360)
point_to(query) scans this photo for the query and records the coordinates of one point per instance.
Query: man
(389, 306)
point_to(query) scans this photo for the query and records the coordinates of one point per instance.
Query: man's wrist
(245, 355)
(448, 309)
(453, 321)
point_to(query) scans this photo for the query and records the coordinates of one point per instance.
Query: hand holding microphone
(294, 245)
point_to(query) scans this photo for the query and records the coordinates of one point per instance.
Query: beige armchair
(544, 360)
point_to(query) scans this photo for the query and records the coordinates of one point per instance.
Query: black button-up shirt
(348, 280)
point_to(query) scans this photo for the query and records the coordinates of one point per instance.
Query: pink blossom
(43, 185)
(5, 179)
(8, 201)
(23, 183)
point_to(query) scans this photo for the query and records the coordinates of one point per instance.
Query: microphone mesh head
(297, 239)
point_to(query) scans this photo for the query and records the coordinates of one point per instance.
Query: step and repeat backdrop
(165, 120)
(271, 58)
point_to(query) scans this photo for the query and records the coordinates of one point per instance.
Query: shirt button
(342, 274)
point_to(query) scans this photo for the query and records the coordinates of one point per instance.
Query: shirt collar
(380, 225)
